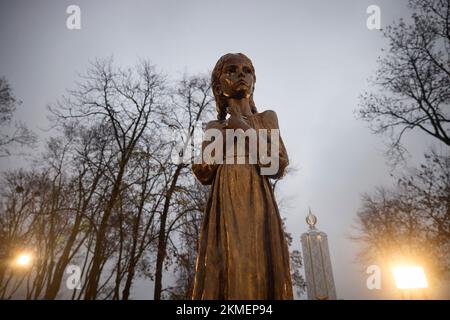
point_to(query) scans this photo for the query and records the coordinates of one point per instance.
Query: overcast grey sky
(312, 59)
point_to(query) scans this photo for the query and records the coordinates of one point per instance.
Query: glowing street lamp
(24, 260)
(409, 278)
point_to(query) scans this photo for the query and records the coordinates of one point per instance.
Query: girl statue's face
(237, 79)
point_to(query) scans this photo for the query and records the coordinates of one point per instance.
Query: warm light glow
(24, 260)
(410, 277)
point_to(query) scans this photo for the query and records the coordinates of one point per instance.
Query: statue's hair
(220, 102)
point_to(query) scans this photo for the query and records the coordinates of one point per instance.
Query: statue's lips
(242, 82)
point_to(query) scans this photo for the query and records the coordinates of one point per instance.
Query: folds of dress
(243, 253)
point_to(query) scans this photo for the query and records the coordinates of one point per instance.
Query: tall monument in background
(316, 257)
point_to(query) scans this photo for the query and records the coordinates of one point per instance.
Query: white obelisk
(316, 258)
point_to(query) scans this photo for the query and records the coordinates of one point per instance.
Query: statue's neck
(243, 105)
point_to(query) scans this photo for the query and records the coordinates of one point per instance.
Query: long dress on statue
(243, 253)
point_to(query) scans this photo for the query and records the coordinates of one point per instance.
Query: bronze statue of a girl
(243, 252)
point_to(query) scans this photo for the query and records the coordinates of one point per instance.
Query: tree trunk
(162, 235)
(94, 274)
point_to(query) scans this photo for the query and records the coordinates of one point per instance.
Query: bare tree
(68, 156)
(125, 101)
(413, 78)
(12, 134)
(184, 245)
(137, 216)
(190, 104)
(296, 260)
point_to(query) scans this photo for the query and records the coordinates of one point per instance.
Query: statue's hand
(236, 122)
(233, 110)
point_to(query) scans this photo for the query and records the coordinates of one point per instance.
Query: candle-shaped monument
(316, 257)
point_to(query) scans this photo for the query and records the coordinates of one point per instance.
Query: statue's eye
(231, 69)
(247, 70)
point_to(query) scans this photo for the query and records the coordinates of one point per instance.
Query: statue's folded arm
(205, 171)
(270, 121)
